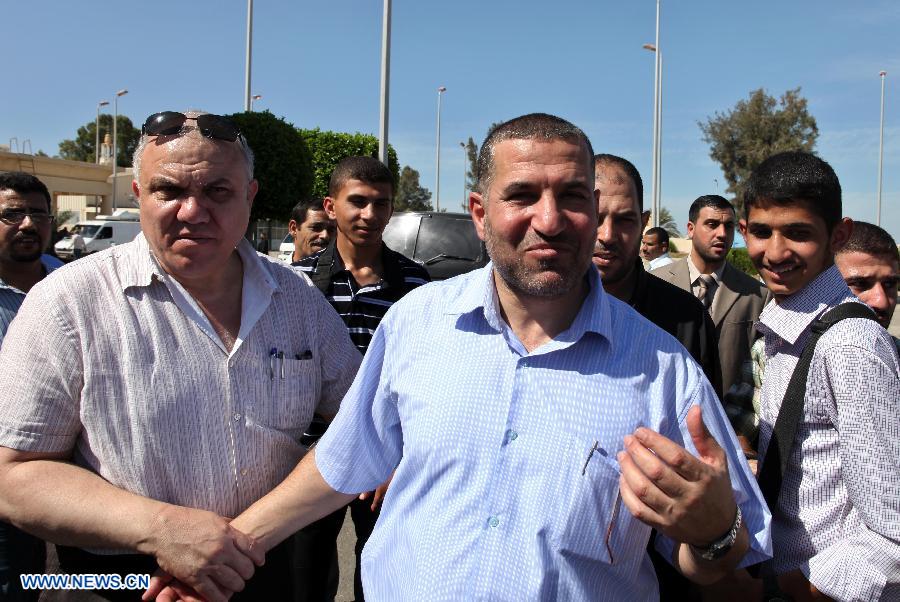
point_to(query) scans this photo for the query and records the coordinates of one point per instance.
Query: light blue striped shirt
(492, 498)
(11, 298)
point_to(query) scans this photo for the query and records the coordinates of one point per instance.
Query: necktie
(706, 289)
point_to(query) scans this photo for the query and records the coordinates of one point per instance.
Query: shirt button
(243, 472)
(237, 417)
(494, 521)
(511, 435)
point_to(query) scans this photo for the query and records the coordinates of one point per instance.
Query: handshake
(201, 556)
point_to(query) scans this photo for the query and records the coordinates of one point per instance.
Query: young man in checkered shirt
(836, 516)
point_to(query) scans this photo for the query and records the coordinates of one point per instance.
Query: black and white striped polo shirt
(362, 307)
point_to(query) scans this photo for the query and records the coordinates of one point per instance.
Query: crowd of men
(563, 424)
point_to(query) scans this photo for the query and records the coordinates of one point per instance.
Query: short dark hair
(365, 169)
(871, 240)
(708, 200)
(629, 169)
(298, 213)
(527, 127)
(25, 183)
(661, 234)
(795, 177)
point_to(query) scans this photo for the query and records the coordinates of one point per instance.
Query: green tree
(283, 165)
(328, 148)
(82, 147)
(411, 196)
(740, 259)
(471, 170)
(755, 129)
(668, 223)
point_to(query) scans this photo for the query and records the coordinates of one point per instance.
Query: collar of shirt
(50, 263)
(789, 318)
(392, 275)
(258, 286)
(695, 273)
(593, 316)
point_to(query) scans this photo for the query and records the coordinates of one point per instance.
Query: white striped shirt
(110, 360)
(838, 516)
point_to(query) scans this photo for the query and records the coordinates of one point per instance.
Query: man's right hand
(202, 550)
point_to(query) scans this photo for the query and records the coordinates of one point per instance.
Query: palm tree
(667, 223)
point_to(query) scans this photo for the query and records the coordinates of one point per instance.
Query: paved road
(346, 559)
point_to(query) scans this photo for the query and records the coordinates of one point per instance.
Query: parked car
(444, 243)
(286, 249)
(99, 234)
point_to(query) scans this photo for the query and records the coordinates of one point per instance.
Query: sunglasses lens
(164, 124)
(216, 126)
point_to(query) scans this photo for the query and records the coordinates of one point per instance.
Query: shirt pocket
(293, 392)
(591, 507)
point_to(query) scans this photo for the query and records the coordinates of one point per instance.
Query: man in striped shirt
(361, 278)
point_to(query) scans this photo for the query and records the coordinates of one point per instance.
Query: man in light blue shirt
(25, 222)
(539, 428)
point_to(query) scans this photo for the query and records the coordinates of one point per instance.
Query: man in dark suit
(617, 257)
(734, 300)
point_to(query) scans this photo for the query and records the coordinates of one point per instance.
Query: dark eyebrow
(514, 187)
(160, 180)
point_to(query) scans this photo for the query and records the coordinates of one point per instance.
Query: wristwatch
(723, 545)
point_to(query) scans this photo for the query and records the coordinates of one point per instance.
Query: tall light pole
(254, 98)
(880, 151)
(656, 182)
(385, 83)
(437, 160)
(656, 114)
(115, 144)
(465, 170)
(248, 105)
(102, 103)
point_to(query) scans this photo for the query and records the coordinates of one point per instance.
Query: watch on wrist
(718, 548)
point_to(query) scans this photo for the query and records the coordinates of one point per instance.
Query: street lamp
(115, 144)
(254, 98)
(657, 94)
(657, 138)
(248, 103)
(462, 145)
(880, 151)
(437, 161)
(385, 82)
(102, 103)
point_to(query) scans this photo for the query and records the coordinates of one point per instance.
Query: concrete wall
(64, 177)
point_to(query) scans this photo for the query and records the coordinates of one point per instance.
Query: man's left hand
(378, 494)
(687, 498)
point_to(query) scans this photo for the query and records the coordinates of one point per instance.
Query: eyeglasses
(169, 123)
(14, 217)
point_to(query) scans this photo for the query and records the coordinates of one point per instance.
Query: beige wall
(64, 177)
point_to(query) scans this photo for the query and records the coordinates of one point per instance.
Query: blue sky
(317, 64)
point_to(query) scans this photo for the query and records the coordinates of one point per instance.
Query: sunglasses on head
(169, 123)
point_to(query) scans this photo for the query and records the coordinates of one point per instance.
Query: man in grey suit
(734, 300)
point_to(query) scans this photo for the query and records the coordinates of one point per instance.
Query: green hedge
(740, 259)
(328, 148)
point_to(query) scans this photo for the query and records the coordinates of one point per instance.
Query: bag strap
(321, 276)
(775, 462)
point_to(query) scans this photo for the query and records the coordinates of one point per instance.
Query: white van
(101, 233)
